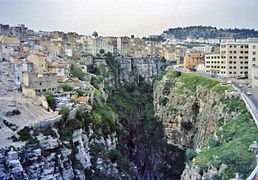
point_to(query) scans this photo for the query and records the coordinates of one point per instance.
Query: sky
(127, 17)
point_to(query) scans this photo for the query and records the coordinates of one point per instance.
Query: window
(253, 59)
(254, 46)
(230, 72)
(254, 53)
(246, 46)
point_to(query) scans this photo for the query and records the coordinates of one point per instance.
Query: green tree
(64, 110)
(102, 51)
(50, 100)
(190, 154)
(67, 87)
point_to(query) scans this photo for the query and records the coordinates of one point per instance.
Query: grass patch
(191, 81)
(235, 136)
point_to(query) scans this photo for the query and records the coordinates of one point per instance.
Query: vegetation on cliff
(232, 142)
(142, 139)
(227, 135)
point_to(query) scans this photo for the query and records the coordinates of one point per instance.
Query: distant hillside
(209, 32)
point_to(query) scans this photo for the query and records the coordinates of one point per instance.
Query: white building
(253, 62)
(93, 44)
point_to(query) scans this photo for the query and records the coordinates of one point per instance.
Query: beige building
(40, 82)
(93, 45)
(192, 60)
(230, 61)
(39, 61)
(14, 41)
(37, 76)
(123, 46)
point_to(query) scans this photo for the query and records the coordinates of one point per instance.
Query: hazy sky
(126, 17)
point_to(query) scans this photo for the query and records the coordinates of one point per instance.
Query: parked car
(249, 93)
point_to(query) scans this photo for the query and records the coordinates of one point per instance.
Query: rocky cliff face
(51, 158)
(198, 118)
(189, 116)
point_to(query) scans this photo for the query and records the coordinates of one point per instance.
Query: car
(249, 93)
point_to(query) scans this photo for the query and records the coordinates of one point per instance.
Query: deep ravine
(141, 139)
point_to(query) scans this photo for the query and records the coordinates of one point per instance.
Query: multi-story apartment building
(230, 61)
(93, 44)
(253, 62)
(123, 46)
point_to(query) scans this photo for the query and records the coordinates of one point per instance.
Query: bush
(50, 100)
(64, 110)
(66, 132)
(190, 154)
(163, 101)
(33, 141)
(49, 131)
(214, 143)
(95, 81)
(67, 87)
(80, 92)
(24, 133)
(114, 155)
(76, 71)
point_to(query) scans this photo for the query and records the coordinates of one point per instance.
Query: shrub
(50, 99)
(67, 87)
(24, 133)
(163, 101)
(114, 155)
(80, 92)
(49, 131)
(190, 154)
(214, 143)
(76, 71)
(64, 110)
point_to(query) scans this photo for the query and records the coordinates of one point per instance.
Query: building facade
(231, 61)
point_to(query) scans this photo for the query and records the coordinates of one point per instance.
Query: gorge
(144, 122)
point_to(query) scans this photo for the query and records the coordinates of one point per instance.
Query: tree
(102, 51)
(64, 110)
(67, 87)
(50, 100)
